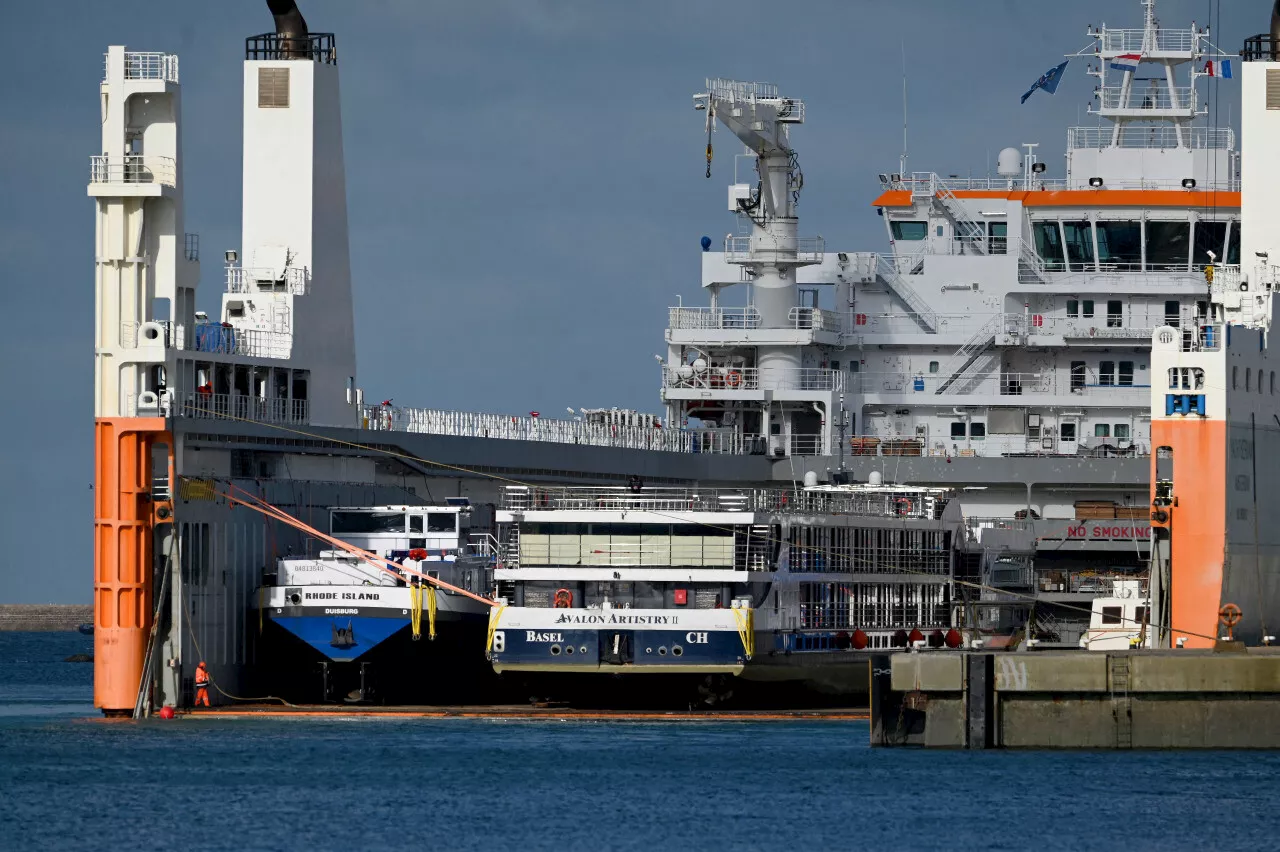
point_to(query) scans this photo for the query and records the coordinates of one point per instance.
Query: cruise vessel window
(1088, 308)
(1167, 245)
(1209, 237)
(1077, 375)
(1233, 242)
(1102, 430)
(1115, 314)
(1120, 246)
(909, 230)
(1172, 312)
(1068, 432)
(933, 366)
(999, 232)
(1122, 431)
(1079, 242)
(1049, 245)
(442, 522)
(1073, 307)
(957, 430)
(1126, 374)
(977, 430)
(1106, 373)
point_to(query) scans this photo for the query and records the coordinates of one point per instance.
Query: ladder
(887, 271)
(971, 234)
(1121, 702)
(982, 340)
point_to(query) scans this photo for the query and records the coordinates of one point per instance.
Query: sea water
(71, 780)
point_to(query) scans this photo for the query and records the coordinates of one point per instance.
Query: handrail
(752, 378)
(293, 279)
(146, 66)
(887, 269)
(681, 317)
(132, 168)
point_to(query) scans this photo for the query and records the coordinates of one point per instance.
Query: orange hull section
(1197, 524)
(122, 556)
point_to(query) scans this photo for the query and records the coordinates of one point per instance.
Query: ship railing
(816, 319)
(146, 66)
(752, 378)
(728, 90)
(925, 184)
(1134, 41)
(899, 323)
(470, 424)
(291, 279)
(484, 546)
(214, 406)
(1115, 97)
(1101, 389)
(681, 317)
(214, 338)
(133, 169)
(911, 503)
(1155, 136)
(807, 250)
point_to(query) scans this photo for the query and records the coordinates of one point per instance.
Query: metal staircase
(887, 271)
(973, 349)
(1031, 268)
(752, 547)
(972, 234)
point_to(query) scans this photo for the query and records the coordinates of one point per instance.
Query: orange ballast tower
(146, 268)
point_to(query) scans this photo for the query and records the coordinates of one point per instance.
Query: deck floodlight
(230, 256)
(1188, 183)
(1095, 182)
(1037, 168)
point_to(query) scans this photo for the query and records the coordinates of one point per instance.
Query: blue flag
(1048, 81)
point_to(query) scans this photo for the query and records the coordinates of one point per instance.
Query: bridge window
(1106, 373)
(1233, 242)
(1167, 245)
(1049, 245)
(1122, 431)
(1079, 243)
(1126, 374)
(1112, 614)
(348, 523)
(999, 232)
(1209, 237)
(442, 522)
(1102, 430)
(1120, 246)
(909, 230)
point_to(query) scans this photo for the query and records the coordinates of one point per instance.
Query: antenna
(902, 162)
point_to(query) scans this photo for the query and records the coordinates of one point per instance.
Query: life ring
(1230, 615)
(418, 554)
(734, 379)
(563, 599)
(904, 505)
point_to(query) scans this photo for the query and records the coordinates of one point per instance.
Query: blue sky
(525, 184)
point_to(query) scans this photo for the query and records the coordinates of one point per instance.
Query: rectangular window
(940, 230)
(933, 366)
(1049, 245)
(957, 430)
(977, 430)
(1079, 245)
(1068, 432)
(1172, 312)
(999, 232)
(1077, 375)
(1120, 246)
(1140, 614)
(1073, 307)
(1126, 374)
(415, 523)
(1210, 237)
(835, 365)
(1115, 313)
(1102, 430)
(1087, 308)
(1167, 244)
(1112, 614)
(442, 522)
(273, 88)
(1233, 242)
(909, 230)
(1106, 373)
(1122, 431)
(348, 523)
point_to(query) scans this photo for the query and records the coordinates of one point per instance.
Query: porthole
(662, 651)
(568, 649)
(582, 649)
(555, 650)
(676, 651)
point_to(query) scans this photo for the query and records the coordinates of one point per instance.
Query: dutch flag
(1221, 68)
(1126, 62)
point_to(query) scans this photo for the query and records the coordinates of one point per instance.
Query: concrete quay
(1145, 699)
(44, 617)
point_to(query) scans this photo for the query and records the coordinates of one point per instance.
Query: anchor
(343, 637)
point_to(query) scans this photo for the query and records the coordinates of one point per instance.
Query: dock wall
(44, 617)
(1136, 699)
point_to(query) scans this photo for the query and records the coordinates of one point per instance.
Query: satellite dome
(1009, 163)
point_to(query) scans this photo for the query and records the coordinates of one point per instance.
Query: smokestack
(1275, 23)
(291, 29)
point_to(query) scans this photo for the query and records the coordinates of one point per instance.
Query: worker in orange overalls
(202, 685)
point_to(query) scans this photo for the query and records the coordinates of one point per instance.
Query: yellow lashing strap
(494, 614)
(415, 611)
(431, 612)
(746, 630)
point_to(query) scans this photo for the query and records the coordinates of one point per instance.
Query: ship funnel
(291, 28)
(1275, 22)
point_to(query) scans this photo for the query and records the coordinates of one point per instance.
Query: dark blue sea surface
(70, 780)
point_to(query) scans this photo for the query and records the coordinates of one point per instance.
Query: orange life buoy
(1230, 615)
(564, 599)
(905, 506)
(418, 554)
(734, 379)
